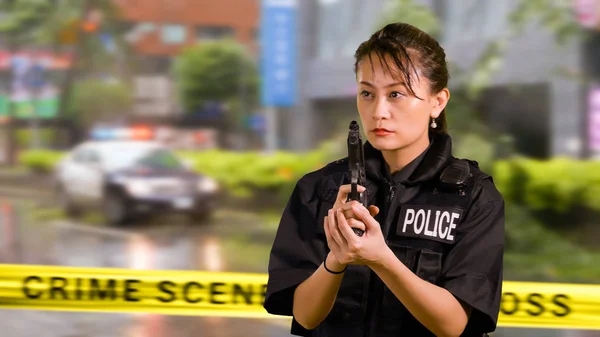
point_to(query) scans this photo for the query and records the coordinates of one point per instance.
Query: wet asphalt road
(232, 241)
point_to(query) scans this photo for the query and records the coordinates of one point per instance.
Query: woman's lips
(380, 132)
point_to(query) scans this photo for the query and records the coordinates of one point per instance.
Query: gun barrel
(356, 166)
(354, 148)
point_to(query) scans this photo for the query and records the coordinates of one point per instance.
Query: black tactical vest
(444, 189)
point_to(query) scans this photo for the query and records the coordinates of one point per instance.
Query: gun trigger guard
(358, 232)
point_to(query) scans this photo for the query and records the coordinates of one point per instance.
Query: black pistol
(356, 160)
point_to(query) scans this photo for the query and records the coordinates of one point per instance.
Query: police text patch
(429, 222)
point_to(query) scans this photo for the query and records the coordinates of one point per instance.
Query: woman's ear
(439, 101)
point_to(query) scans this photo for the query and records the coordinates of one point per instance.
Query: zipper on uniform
(389, 216)
(376, 286)
(392, 194)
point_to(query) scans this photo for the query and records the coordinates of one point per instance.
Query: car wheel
(115, 209)
(67, 204)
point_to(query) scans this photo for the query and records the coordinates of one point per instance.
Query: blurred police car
(124, 178)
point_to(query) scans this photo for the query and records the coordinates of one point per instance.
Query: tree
(63, 25)
(219, 71)
(463, 103)
(557, 16)
(553, 15)
(412, 13)
(92, 30)
(95, 100)
(87, 29)
(22, 20)
(18, 27)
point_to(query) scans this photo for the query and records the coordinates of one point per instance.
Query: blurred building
(160, 29)
(530, 97)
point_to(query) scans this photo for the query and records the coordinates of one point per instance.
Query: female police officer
(430, 260)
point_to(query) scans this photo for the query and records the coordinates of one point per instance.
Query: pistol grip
(358, 232)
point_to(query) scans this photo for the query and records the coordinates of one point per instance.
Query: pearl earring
(433, 123)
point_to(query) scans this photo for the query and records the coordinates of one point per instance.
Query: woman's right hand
(346, 207)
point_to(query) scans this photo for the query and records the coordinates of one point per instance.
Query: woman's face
(392, 117)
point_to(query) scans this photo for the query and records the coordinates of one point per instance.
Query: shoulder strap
(456, 175)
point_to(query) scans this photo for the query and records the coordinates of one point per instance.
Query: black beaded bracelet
(331, 271)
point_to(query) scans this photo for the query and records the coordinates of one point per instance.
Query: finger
(347, 209)
(346, 189)
(348, 206)
(333, 246)
(364, 216)
(349, 214)
(344, 228)
(373, 210)
(353, 223)
(333, 229)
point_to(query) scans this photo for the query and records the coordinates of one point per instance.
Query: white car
(125, 178)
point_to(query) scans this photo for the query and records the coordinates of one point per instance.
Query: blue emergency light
(133, 133)
(102, 134)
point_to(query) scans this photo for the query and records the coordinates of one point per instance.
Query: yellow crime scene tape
(198, 293)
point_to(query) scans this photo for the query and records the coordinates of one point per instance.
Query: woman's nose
(381, 110)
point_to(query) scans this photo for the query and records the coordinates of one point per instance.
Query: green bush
(248, 172)
(25, 137)
(244, 174)
(560, 185)
(40, 161)
(533, 253)
(471, 146)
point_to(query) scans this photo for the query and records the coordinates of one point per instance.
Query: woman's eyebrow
(387, 86)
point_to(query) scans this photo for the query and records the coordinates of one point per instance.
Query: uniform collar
(406, 172)
(427, 166)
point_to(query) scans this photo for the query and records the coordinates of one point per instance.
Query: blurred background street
(168, 134)
(170, 243)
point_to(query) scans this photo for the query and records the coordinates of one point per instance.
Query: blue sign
(257, 123)
(278, 43)
(210, 111)
(36, 76)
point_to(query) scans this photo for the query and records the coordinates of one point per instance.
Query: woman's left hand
(348, 247)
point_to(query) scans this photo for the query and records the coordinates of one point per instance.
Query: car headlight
(208, 185)
(138, 188)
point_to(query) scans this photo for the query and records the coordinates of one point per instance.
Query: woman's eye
(396, 94)
(365, 93)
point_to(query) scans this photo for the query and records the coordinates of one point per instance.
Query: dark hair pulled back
(410, 49)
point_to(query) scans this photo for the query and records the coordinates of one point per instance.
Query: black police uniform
(441, 216)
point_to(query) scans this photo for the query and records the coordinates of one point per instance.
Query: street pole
(587, 15)
(71, 72)
(11, 125)
(243, 109)
(591, 113)
(35, 91)
(271, 134)
(34, 122)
